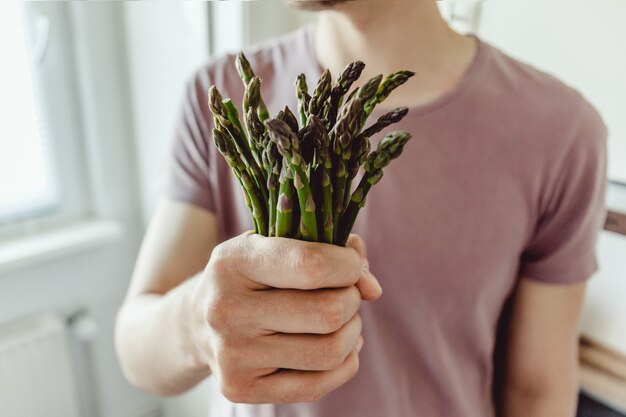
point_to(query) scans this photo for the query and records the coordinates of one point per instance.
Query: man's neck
(392, 35)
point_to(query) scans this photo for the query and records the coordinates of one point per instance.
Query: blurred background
(89, 92)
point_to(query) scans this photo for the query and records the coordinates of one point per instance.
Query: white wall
(165, 42)
(582, 42)
(267, 19)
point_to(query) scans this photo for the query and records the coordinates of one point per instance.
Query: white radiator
(35, 370)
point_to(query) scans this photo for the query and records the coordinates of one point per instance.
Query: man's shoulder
(527, 86)
(547, 107)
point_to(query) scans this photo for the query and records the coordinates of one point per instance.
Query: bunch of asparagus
(296, 172)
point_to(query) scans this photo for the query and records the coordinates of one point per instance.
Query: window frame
(54, 80)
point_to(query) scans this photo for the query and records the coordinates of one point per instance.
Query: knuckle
(358, 244)
(332, 352)
(231, 356)
(310, 262)
(218, 312)
(220, 259)
(332, 314)
(234, 392)
(352, 300)
(232, 383)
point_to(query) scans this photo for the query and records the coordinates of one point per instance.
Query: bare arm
(542, 353)
(154, 343)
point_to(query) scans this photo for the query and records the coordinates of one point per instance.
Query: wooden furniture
(603, 369)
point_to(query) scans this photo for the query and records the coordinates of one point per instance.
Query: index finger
(295, 264)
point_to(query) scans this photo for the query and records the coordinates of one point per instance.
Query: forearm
(555, 399)
(154, 341)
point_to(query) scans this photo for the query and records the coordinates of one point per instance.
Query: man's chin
(315, 4)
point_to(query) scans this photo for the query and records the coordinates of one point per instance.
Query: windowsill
(76, 238)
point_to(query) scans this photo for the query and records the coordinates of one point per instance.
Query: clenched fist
(276, 319)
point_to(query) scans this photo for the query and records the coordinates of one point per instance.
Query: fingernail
(359, 344)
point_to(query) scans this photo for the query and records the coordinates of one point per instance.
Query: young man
(482, 235)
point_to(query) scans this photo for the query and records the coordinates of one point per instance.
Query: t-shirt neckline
(467, 79)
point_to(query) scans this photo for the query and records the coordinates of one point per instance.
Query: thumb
(368, 285)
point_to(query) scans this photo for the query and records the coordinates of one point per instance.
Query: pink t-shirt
(504, 177)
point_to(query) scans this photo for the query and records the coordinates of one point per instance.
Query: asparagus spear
(304, 99)
(226, 115)
(388, 149)
(320, 94)
(389, 84)
(256, 133)
(369, 89)
(341, 138)
(251, 100)
(252, 94)
(229, 151)
(361, 144)
(290, 119)
(246, 74)
(345, 80)
(284, 204)
(288, 145)
(325, 167)
(273, 166)
(384, 121)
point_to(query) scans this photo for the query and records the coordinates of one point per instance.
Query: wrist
(191, 328)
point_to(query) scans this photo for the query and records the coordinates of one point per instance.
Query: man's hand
(276, 319)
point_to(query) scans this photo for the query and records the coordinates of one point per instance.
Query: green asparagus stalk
(304, 99)
(325, 166)
(251, 100)
(320, 95)
(345, 80)
(243, 145)
(256, 134)
(388, 149)
(384, 121)
(226, 147)
(296, 172)
(274, 165)
(252, 94)
(290, 119)
(341, 139)
(361, 145)
(389, 84)
(288, 145)
(284, 203)
(369, 89)
(246, 74)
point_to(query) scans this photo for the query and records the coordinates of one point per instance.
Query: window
(27, 177)
(42, 179)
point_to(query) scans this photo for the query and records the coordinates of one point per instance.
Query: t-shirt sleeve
(191, 176)
(562, 247)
